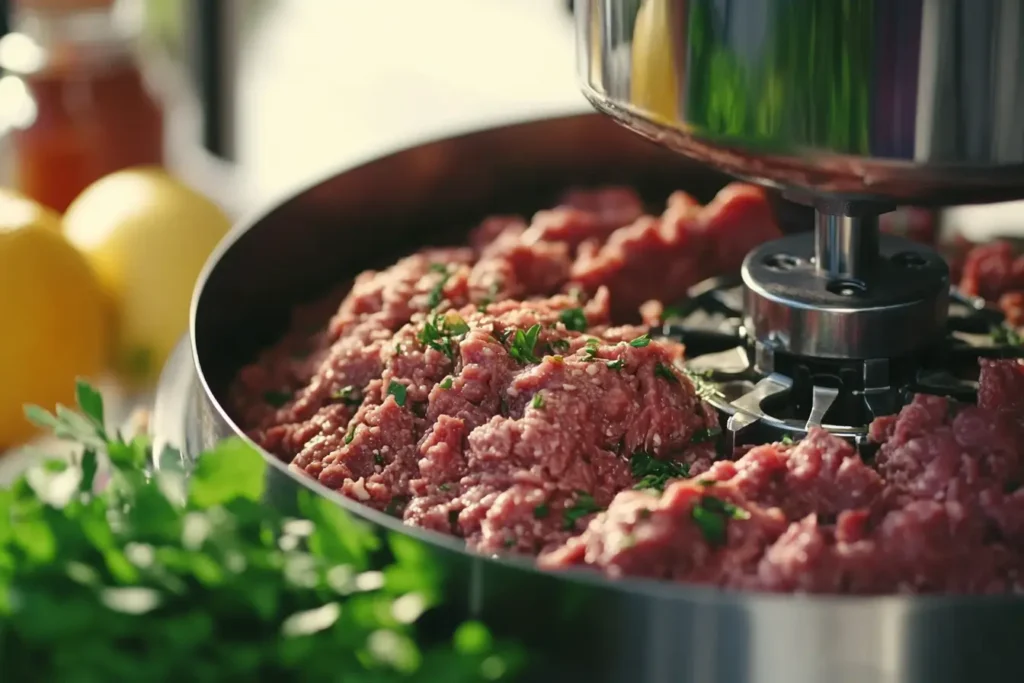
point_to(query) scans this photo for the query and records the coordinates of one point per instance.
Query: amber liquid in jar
(91, 115)
(87, 125)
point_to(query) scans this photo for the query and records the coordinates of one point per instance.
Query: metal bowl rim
(653, 588)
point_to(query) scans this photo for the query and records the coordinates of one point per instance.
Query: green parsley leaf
(702, 384)
(397, 389)
(175, 565)
(523, 343)
(541, 511)
(348, 395)
(654, 473)
(234, 471)
(665, 372)
(581, 507)
(712, 516)
(538, 400)
(90, 402)
(559, 345)
(641, 341)
(436, 294)
(616, 364)
(574, 319)
(277, 399)
(1003, 335)
(590, 349)
(446, 383)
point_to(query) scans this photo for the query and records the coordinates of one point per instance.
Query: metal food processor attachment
(851, 108)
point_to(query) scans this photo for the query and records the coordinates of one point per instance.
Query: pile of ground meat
(500, 392)
(940, 510)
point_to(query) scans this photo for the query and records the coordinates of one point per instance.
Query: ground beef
(939, 511)
(500, 393)
(491, 391)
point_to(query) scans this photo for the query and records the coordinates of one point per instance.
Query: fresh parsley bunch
(112, 573)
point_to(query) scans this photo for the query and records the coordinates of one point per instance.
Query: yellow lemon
(147, 236)
(17, 210)
(53, 323)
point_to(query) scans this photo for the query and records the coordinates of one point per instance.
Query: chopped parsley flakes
(522, 344)
(1006, 336)
(440, 332)
(559, 345)
(574, 319)
(641, 341)
(446, 383)
(653, 473)
(702, 384)
(712, 516)
(397, 389)
(665, 372)
(538, 400)
(583, 506)
(349, 395)
(541, 511)
(277, 398)
(436, 295)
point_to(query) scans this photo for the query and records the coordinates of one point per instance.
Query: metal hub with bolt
(832, 328)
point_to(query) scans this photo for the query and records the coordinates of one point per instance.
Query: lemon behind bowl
(147, 236)
(17, 210)
(53, 320)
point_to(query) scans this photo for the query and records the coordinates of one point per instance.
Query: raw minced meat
(484, 391)
(499, 392)
(940, 511)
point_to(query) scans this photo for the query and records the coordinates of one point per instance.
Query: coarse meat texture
(496, 391)
(940, 510)
(501, 392)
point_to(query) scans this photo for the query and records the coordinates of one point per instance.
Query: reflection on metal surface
(588, 628)
(916, 100)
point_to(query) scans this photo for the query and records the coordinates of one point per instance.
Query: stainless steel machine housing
(578, 626)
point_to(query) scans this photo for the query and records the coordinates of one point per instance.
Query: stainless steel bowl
(581, 627)
(916, 101)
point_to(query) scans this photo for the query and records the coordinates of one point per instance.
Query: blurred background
(229, 104)
(239, 102)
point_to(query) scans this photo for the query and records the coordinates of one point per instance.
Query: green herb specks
(641, 341)
(522, 344)
(397, 389)
(581, 507)
(349, 395)
(574, 319)
(653, 473)
(277, 399)
(712, 516)
(538, 400)
(436, 294)
(665, 372)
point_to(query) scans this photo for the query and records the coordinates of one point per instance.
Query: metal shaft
(845, 246)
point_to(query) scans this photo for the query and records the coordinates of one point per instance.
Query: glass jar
(74, 98)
